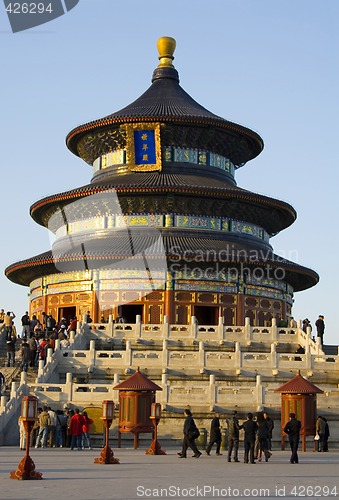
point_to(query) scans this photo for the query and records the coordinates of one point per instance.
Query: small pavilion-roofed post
(299, 396)
(136, 395)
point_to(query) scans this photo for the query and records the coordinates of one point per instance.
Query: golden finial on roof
(166, 47)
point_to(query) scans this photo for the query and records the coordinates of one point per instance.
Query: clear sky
(269, 65)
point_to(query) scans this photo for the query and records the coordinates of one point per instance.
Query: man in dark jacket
(250, 427)
(292, 429)
(215, 435)
(233, 436)
(320, 325)
(190, 434)
(270, 424)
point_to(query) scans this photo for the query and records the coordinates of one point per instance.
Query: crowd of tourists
(36, 337)
(257, 441)
(59, 429)
(257, 437)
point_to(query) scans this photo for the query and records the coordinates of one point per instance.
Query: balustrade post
(319, 346)
(110, 326)
(41, 366)
(49, 355)
(116, 381)
(92, 355)
(273, 356)
(138, 326)
(248, 330)
(23, 378)
(194, 327)
(165, 328)
(201, 357)
(274, 330)
(164, 354)
(308, 361)
(3, 401)
(221, 330)
(212, 391)
(69, 388)
(259, 391)
(14, 388)
(237, 358)
(128, 354)
(164, 395)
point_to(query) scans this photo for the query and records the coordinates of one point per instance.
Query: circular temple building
(163, 229)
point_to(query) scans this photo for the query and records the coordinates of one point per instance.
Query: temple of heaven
(162, 230)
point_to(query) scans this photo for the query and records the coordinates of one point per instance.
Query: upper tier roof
(230, 201)
(165, 101)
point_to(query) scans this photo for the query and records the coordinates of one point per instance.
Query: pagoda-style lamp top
(108, 410)
(166, 47)
(29, 408)
(155, 411)
(298, 385)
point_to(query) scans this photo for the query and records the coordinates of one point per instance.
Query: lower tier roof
(158, 250)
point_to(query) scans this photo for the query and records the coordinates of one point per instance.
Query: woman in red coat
(76, 423)
(86, 438)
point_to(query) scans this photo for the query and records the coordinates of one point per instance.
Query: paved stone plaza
(73, 475)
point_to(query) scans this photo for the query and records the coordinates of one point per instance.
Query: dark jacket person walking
(250, 427)
(292, 429)
(215, 435)
(233, 436)
(190, 434)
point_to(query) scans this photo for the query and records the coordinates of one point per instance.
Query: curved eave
(40, 208)
(102, 253)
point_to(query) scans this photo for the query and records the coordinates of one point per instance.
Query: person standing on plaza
(215, 435)
(72, 326)
(26, 326)
(8, 323)
(86, 438)
(233, 436)
(327, 434)
(88, 317)
(50, 324)
(250, 427)
(10, 345)
(35, 430)
(52, 427)
(61, 426)
(270, 425)
(320, 325)
(69, 415)
(2, 316)
(22, 434)
(320, 430)
(191, 433)
(33, 347)
(292, 429)
(263, 435)
(44, 423)
(25, 355)
(76, 424)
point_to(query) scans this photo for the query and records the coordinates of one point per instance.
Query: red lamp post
(26, 468)
(107, 455)
(155, 448)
